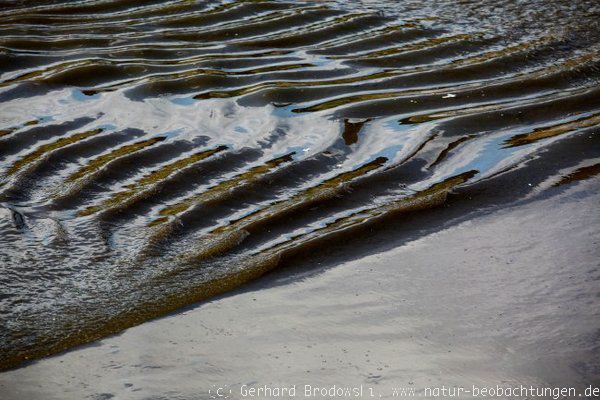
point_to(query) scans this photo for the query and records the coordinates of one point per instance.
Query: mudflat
(174, 154)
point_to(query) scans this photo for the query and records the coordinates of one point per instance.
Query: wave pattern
(154, 154)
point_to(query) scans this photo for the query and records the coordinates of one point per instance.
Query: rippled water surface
(153, 154)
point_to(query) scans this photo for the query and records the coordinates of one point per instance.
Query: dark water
(153, 155)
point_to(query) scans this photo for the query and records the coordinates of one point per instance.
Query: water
(155, 155)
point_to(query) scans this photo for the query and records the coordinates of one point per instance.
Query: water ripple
(153, 155)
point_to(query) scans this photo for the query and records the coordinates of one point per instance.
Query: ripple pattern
(154, 154)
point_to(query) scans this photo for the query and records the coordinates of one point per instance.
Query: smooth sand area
(505, 298)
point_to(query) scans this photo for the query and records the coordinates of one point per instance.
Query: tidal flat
(360, 194)
(508, 298)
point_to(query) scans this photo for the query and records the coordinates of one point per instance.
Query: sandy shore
(506, 298)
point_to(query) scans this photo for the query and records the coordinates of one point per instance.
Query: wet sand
(156, 155)
(503, 297)
(362, 193)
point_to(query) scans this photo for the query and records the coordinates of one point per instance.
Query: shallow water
(440, 308)
(153, 156)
